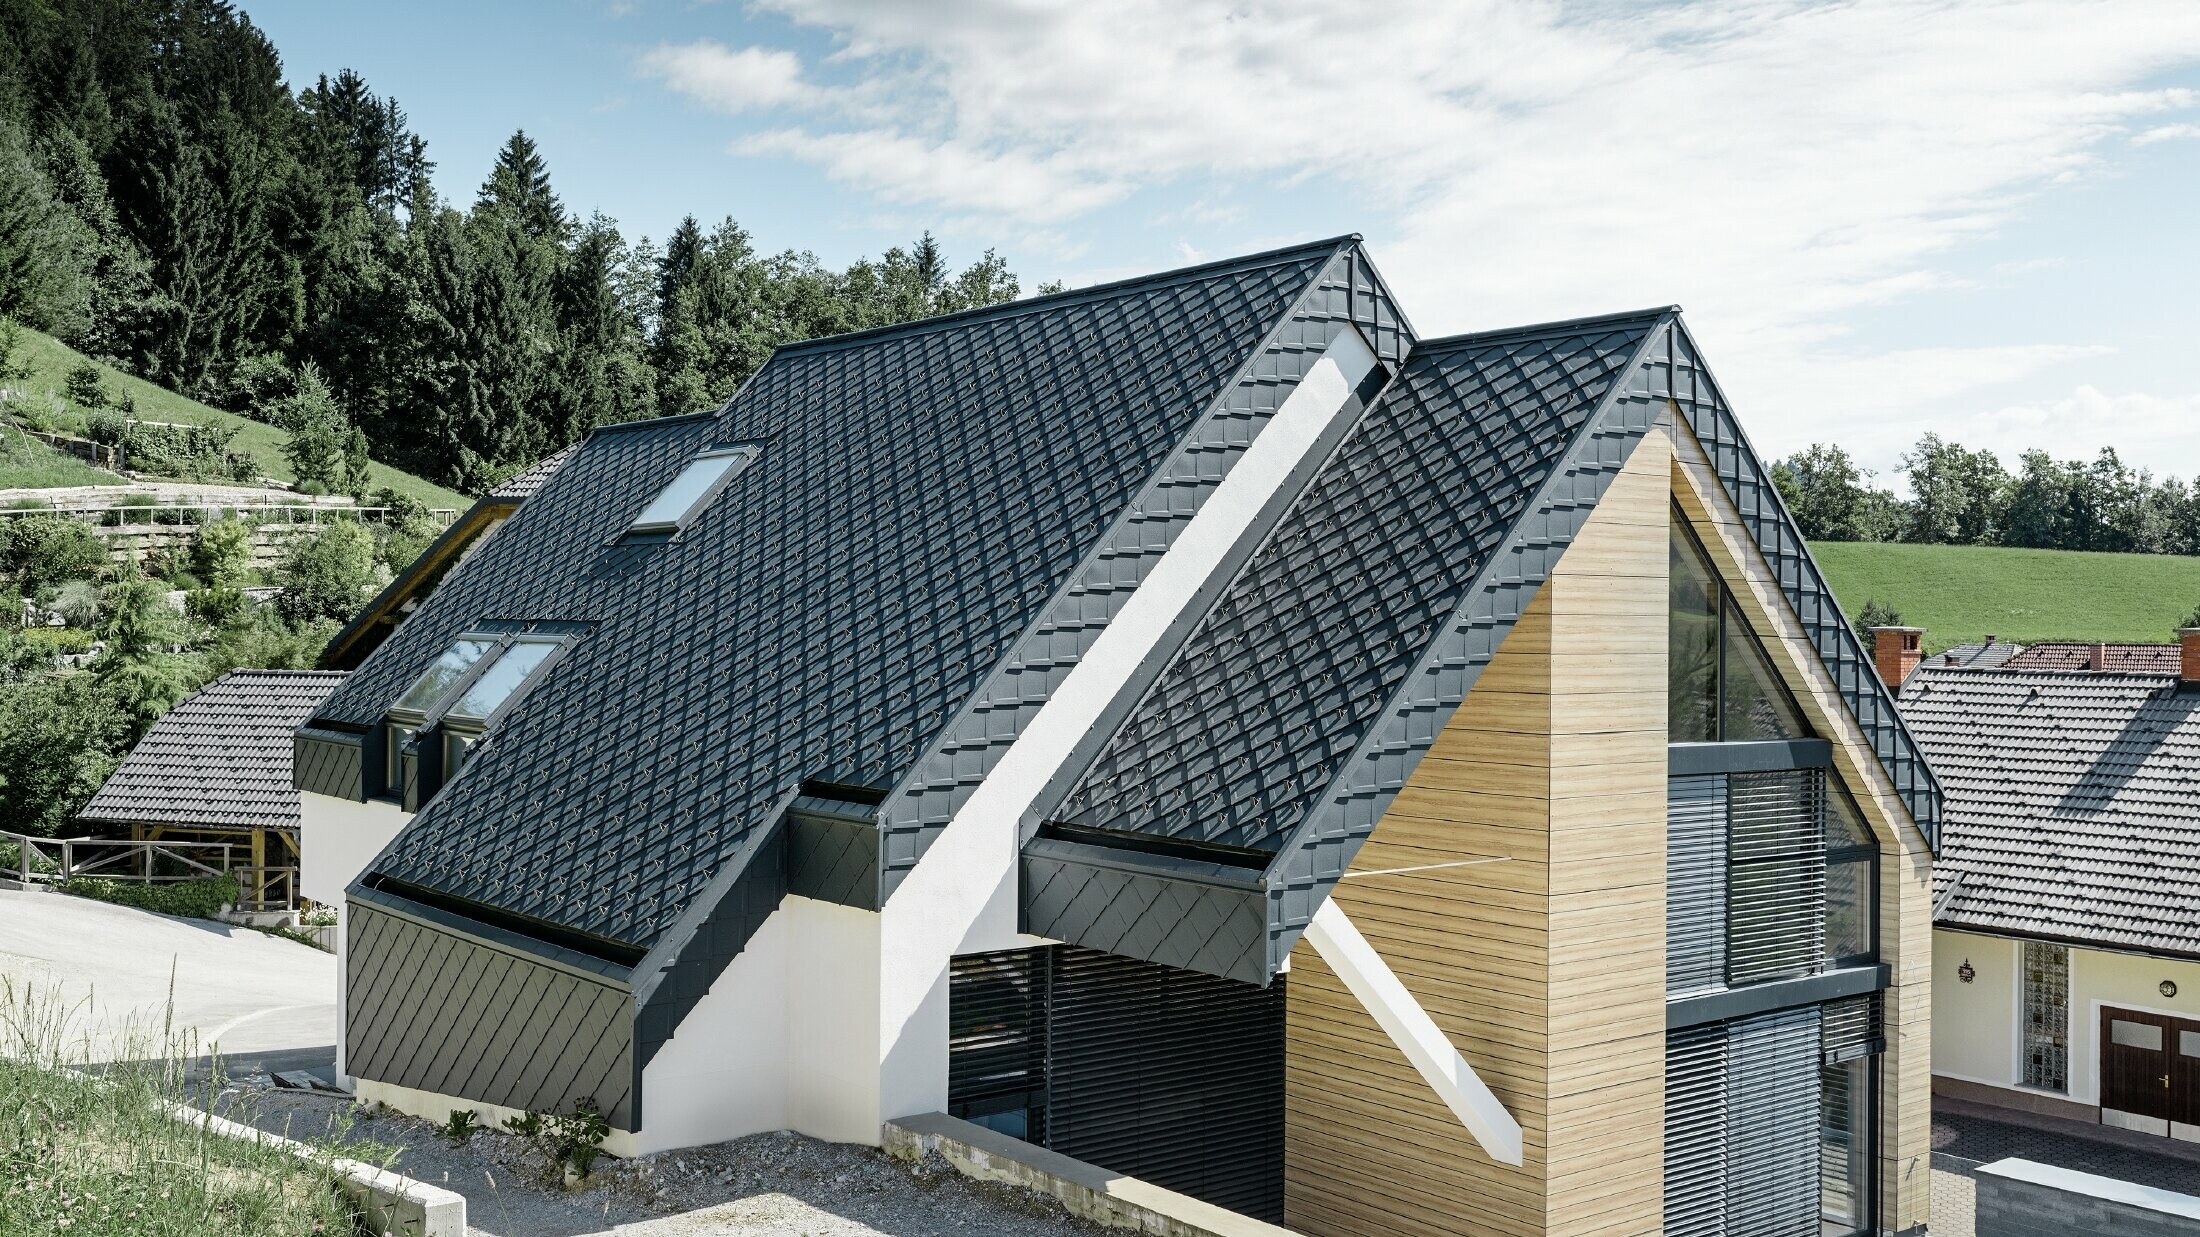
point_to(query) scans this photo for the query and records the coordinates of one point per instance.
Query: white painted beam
(1378, 989)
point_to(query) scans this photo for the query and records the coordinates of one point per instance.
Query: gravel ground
(767, 1183)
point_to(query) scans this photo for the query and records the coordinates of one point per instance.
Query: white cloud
(1775, 166)
(730, 79)
(2165, 133)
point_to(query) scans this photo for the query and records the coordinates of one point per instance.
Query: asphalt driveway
(119, 975)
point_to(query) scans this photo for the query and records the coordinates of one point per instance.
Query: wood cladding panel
(1541, 955)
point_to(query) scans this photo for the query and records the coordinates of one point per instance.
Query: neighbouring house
(403, 594)
(216, 768)
(2066, 943)
(1196, 725)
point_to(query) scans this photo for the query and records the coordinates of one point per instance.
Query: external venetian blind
(1776, 875)
(1695, 882)
(1772, 1122)
(1169, 1076)
(1695, 1131)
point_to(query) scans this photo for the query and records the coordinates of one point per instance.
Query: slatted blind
(1776, 875)
(1849, 1028)
(1695, 884)
(1695, 1131)
(1772, 1124)
(1169, 1076)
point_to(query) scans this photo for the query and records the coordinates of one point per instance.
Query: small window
(494, 685)
(695, 486)
(447, 670)
(2142, 1035)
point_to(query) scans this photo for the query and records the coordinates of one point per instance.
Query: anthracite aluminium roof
(1274, 690)
(923, 490)
(2070, 803)
(219, 759)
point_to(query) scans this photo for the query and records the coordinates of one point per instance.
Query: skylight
(446, 670)
(692, 490)
(493, 686)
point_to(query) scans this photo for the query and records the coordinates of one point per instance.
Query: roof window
(693, 489)
(495, 685)
(446, 670)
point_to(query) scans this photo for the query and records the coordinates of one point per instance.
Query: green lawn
(1960, 594)
(28, 464)
(50, 361)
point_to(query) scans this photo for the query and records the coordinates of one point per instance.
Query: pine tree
(519, 187)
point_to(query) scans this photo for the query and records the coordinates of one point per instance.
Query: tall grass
(95, 1152)
(28, 464)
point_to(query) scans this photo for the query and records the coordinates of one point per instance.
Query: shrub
(77, 602)
(327, 575)
(110, 429)
(222, 554)
(85, 387)
(60, 736)
(48, 549)
(460, 1125)
(192, 899)
(56, 641)
(12, 367)
(1877, 614)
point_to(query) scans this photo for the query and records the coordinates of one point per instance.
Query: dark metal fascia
(1286, 926)
(539, 952)
(1779, 994)
(1147, 863)
(1761, 756)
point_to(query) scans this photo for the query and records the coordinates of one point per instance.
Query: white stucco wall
(1974, 1027)
(1977, 1027)
(337, 838)
(961, 898)
(786, 1038)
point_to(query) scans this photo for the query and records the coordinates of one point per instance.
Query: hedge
(193, 899)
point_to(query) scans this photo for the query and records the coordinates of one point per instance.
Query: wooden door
(2138, 1056)
(2184, 1075)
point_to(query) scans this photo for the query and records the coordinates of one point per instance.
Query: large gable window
(1720, 686)
(691, 490)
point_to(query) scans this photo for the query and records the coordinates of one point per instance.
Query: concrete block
(2018, 1198)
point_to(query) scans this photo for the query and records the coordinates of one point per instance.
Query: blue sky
(1881, 217)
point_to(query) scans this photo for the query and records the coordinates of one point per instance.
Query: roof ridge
(1557, 326)
(1098, 291)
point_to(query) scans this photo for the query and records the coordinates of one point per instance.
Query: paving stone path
(1967, 1135)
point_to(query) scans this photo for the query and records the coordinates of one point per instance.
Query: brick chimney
(2096, 658)
(2188, 647)
(1896, 652)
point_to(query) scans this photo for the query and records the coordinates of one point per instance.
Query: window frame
(742, 456)
(1728, 621)
(428, 732)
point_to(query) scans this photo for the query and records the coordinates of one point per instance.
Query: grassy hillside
(28, 464)
(1963, 593)
(50, 361)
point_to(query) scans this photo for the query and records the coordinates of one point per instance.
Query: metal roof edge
(1560, 326)
(1067, 296)
(466, 526)
(491, 935)
(1284, 933)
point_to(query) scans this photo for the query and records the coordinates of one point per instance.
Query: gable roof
(923, 492)
(220, 758)
(1983, 655)
(2069, 803)
(2115, 658)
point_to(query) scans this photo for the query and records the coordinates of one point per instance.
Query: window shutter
(1695, 1131)
(1695, 885)
(1776, 879)
(1772, 1123)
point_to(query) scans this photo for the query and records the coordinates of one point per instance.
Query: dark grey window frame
(635, 532)
(414, 768)
(1722, 605)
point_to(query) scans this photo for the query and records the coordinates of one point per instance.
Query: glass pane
(1754, 704)
(2188, 1043)
(497, 683)
(687, 489)
(394, 770)
(1844, 1138)
(1849, 910)
(1692, 646)
(448, 669)
(1845, 822)
(2144, 1035)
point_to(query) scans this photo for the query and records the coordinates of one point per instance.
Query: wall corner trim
(1371, 980)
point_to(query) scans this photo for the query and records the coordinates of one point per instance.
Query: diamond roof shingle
(2070, 803)
(922, 492)
(221, 758)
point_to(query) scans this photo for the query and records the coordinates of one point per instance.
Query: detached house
(1373, 783)
(2067, 947)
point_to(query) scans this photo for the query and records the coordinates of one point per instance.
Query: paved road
(264, 1001)
(1966, 1135)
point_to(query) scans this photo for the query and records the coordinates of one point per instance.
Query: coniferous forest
(170, 205)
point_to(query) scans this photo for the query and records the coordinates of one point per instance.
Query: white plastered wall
(961, 897)
(786, 1038)
(1978, 1027)
(337, 838)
